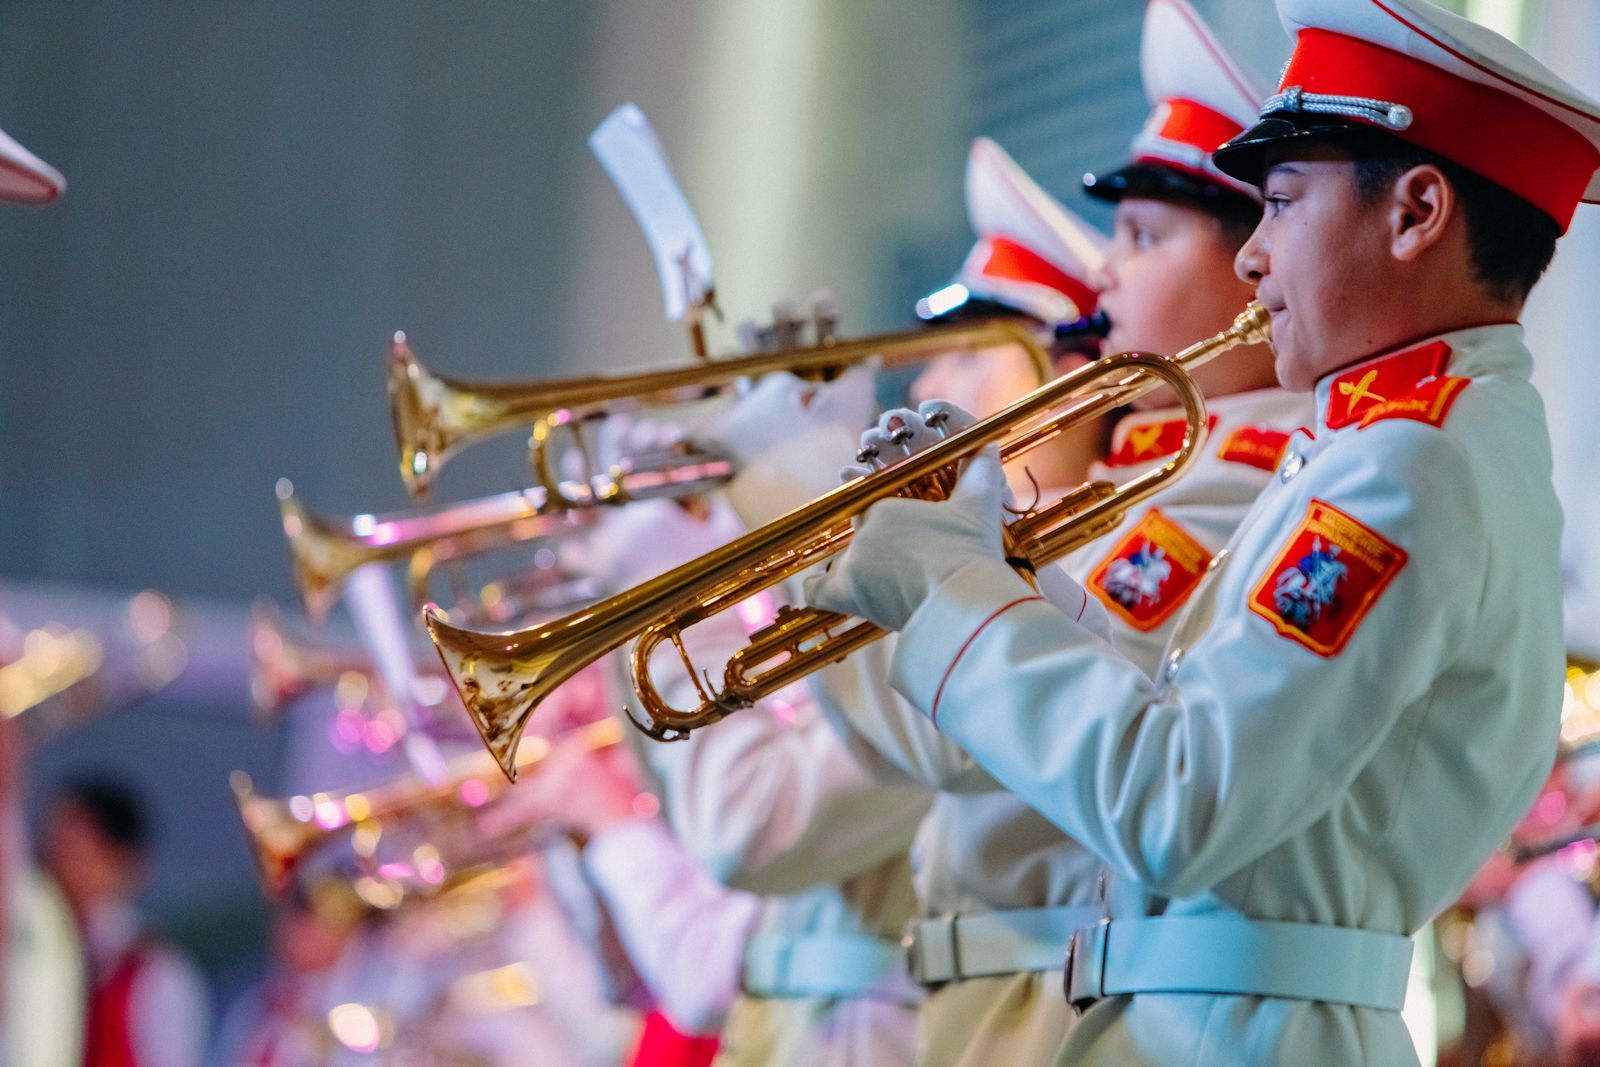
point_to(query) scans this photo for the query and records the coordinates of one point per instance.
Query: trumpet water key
(502, 677)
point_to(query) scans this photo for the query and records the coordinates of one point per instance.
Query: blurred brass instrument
(56, 677)
(435, 416)
(283, 832)
(325, 551)
(502, 677)
(284, 668)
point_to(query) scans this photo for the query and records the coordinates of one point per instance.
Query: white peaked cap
(24, 177)
(1199, 95)
(1441, 82)
(1032, 254)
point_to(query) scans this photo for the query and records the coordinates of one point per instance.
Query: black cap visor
(1155, 182)
(1245, 157)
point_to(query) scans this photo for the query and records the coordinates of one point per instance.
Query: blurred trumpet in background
(402, 839)
(325, 551)
(435, 417)
(54, 677)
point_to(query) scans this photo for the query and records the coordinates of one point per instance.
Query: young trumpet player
(1000, 888)
(1363, 697)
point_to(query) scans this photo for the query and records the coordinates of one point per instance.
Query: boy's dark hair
(1512, 241)
(115, 809)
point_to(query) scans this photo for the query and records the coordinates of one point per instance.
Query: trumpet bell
(284, 832)
(499, 688)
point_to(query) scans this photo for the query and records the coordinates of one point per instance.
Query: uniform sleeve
(684, 933)
(770, 799)
(1256, 735)
(890, 736)
(886, 732)
(170, 1012)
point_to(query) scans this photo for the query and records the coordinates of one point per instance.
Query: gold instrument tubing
(501, 677)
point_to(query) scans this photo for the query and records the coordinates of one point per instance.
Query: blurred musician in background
(282, 1022)
(1001, 888)
(148, 1005)
(40, 982)
(684, 933)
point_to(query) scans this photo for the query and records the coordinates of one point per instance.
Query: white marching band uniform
(1252, 779)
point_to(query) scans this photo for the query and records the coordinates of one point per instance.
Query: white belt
(824, 965)
(989, 943)
(1237, 956)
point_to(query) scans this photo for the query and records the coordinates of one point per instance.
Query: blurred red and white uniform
(148, 1005)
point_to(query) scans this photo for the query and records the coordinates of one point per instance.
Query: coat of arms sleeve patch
(1151, 571)
(1327, 578)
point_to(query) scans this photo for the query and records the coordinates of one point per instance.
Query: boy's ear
(1422, 203)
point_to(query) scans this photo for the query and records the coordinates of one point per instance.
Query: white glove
(788, 437)
(905, 549)
(901, 431)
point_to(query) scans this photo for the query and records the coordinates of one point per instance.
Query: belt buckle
(1084, 944)
(918, 935)
(908, 942)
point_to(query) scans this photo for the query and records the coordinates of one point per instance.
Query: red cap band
(1014, 262)
(1192, 123)
(1492, 133)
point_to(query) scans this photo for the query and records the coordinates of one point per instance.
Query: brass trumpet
(325, 551)
(283, 832)
(435, 416)
(502, 677)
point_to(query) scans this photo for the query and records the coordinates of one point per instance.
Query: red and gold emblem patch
(1326, 580)
(1151, 572)
(1410, 385)
(1255, 447)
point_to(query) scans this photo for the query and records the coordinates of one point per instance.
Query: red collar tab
(1013, 261)
(1134, 443)
(1254, 446)
(1492, 133)
(1409, 384)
